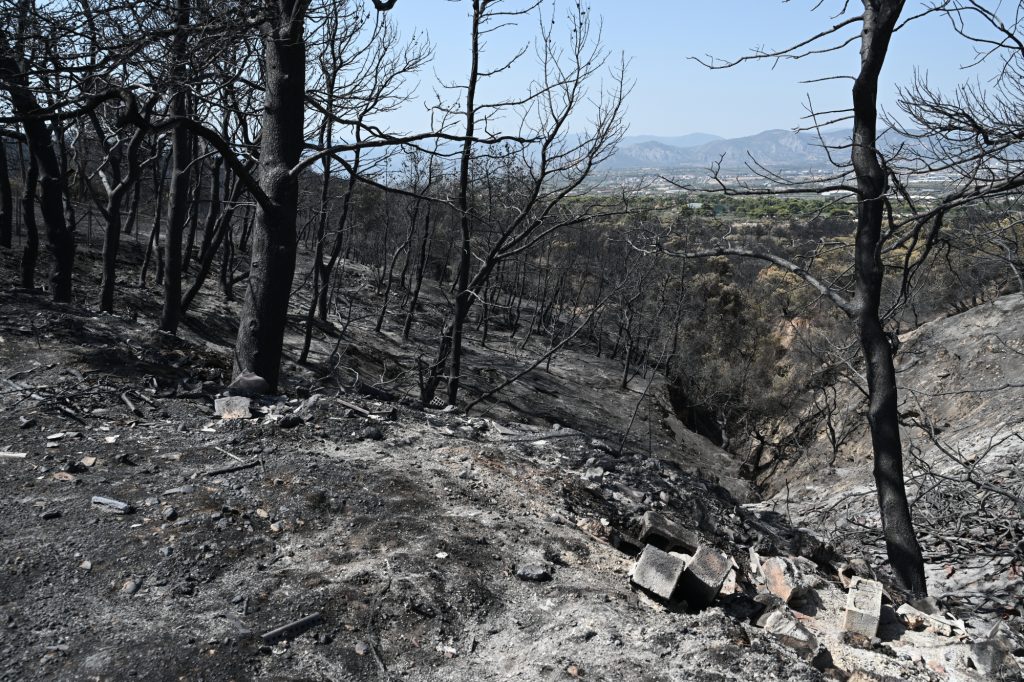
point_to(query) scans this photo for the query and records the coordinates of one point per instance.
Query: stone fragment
(51, 514)
(790, 632)
(666, 534)
(993, 656)
(535, 573)
(233, 407)
(790, 579)
(115, 506)
(863, 607)
(290, 421)
(705, 574)
(170, 514)
(248, 384)
(372, 432)
(658, 572)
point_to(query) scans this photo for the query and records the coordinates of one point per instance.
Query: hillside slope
(425, 544)
(961, 382)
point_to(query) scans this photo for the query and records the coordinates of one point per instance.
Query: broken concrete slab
(233, 407)
(658, 572)
(704, 576)
(667, 535)
(863, 607)
(790, 579)
(249, 385)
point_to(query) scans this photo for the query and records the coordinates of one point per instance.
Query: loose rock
(537, 573)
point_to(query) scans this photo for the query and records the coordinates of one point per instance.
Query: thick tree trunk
(883, 417)
(272, 266)
(181, 159)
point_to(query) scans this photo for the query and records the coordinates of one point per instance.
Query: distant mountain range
(775, 149)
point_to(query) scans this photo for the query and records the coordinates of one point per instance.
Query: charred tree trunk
(272, 264)
(420, 270)
(6, 200)
(181, 159)
(904, 552)
(31, 253)
(153, 246)
(59, 232)
(111, 244)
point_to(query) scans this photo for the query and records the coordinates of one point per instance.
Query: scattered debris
(115, 506)
(291, 630)
(26, 422)
(993, 656)
(361, 648)
(863, 607)
(231, 469)
(918, 620)
(13, 455)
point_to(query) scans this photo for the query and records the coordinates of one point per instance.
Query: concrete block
(233, 407)
(658, 572)
(666, 534)
(863, 607)
(704, 576)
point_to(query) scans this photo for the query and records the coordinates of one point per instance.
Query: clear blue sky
(675, 95)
